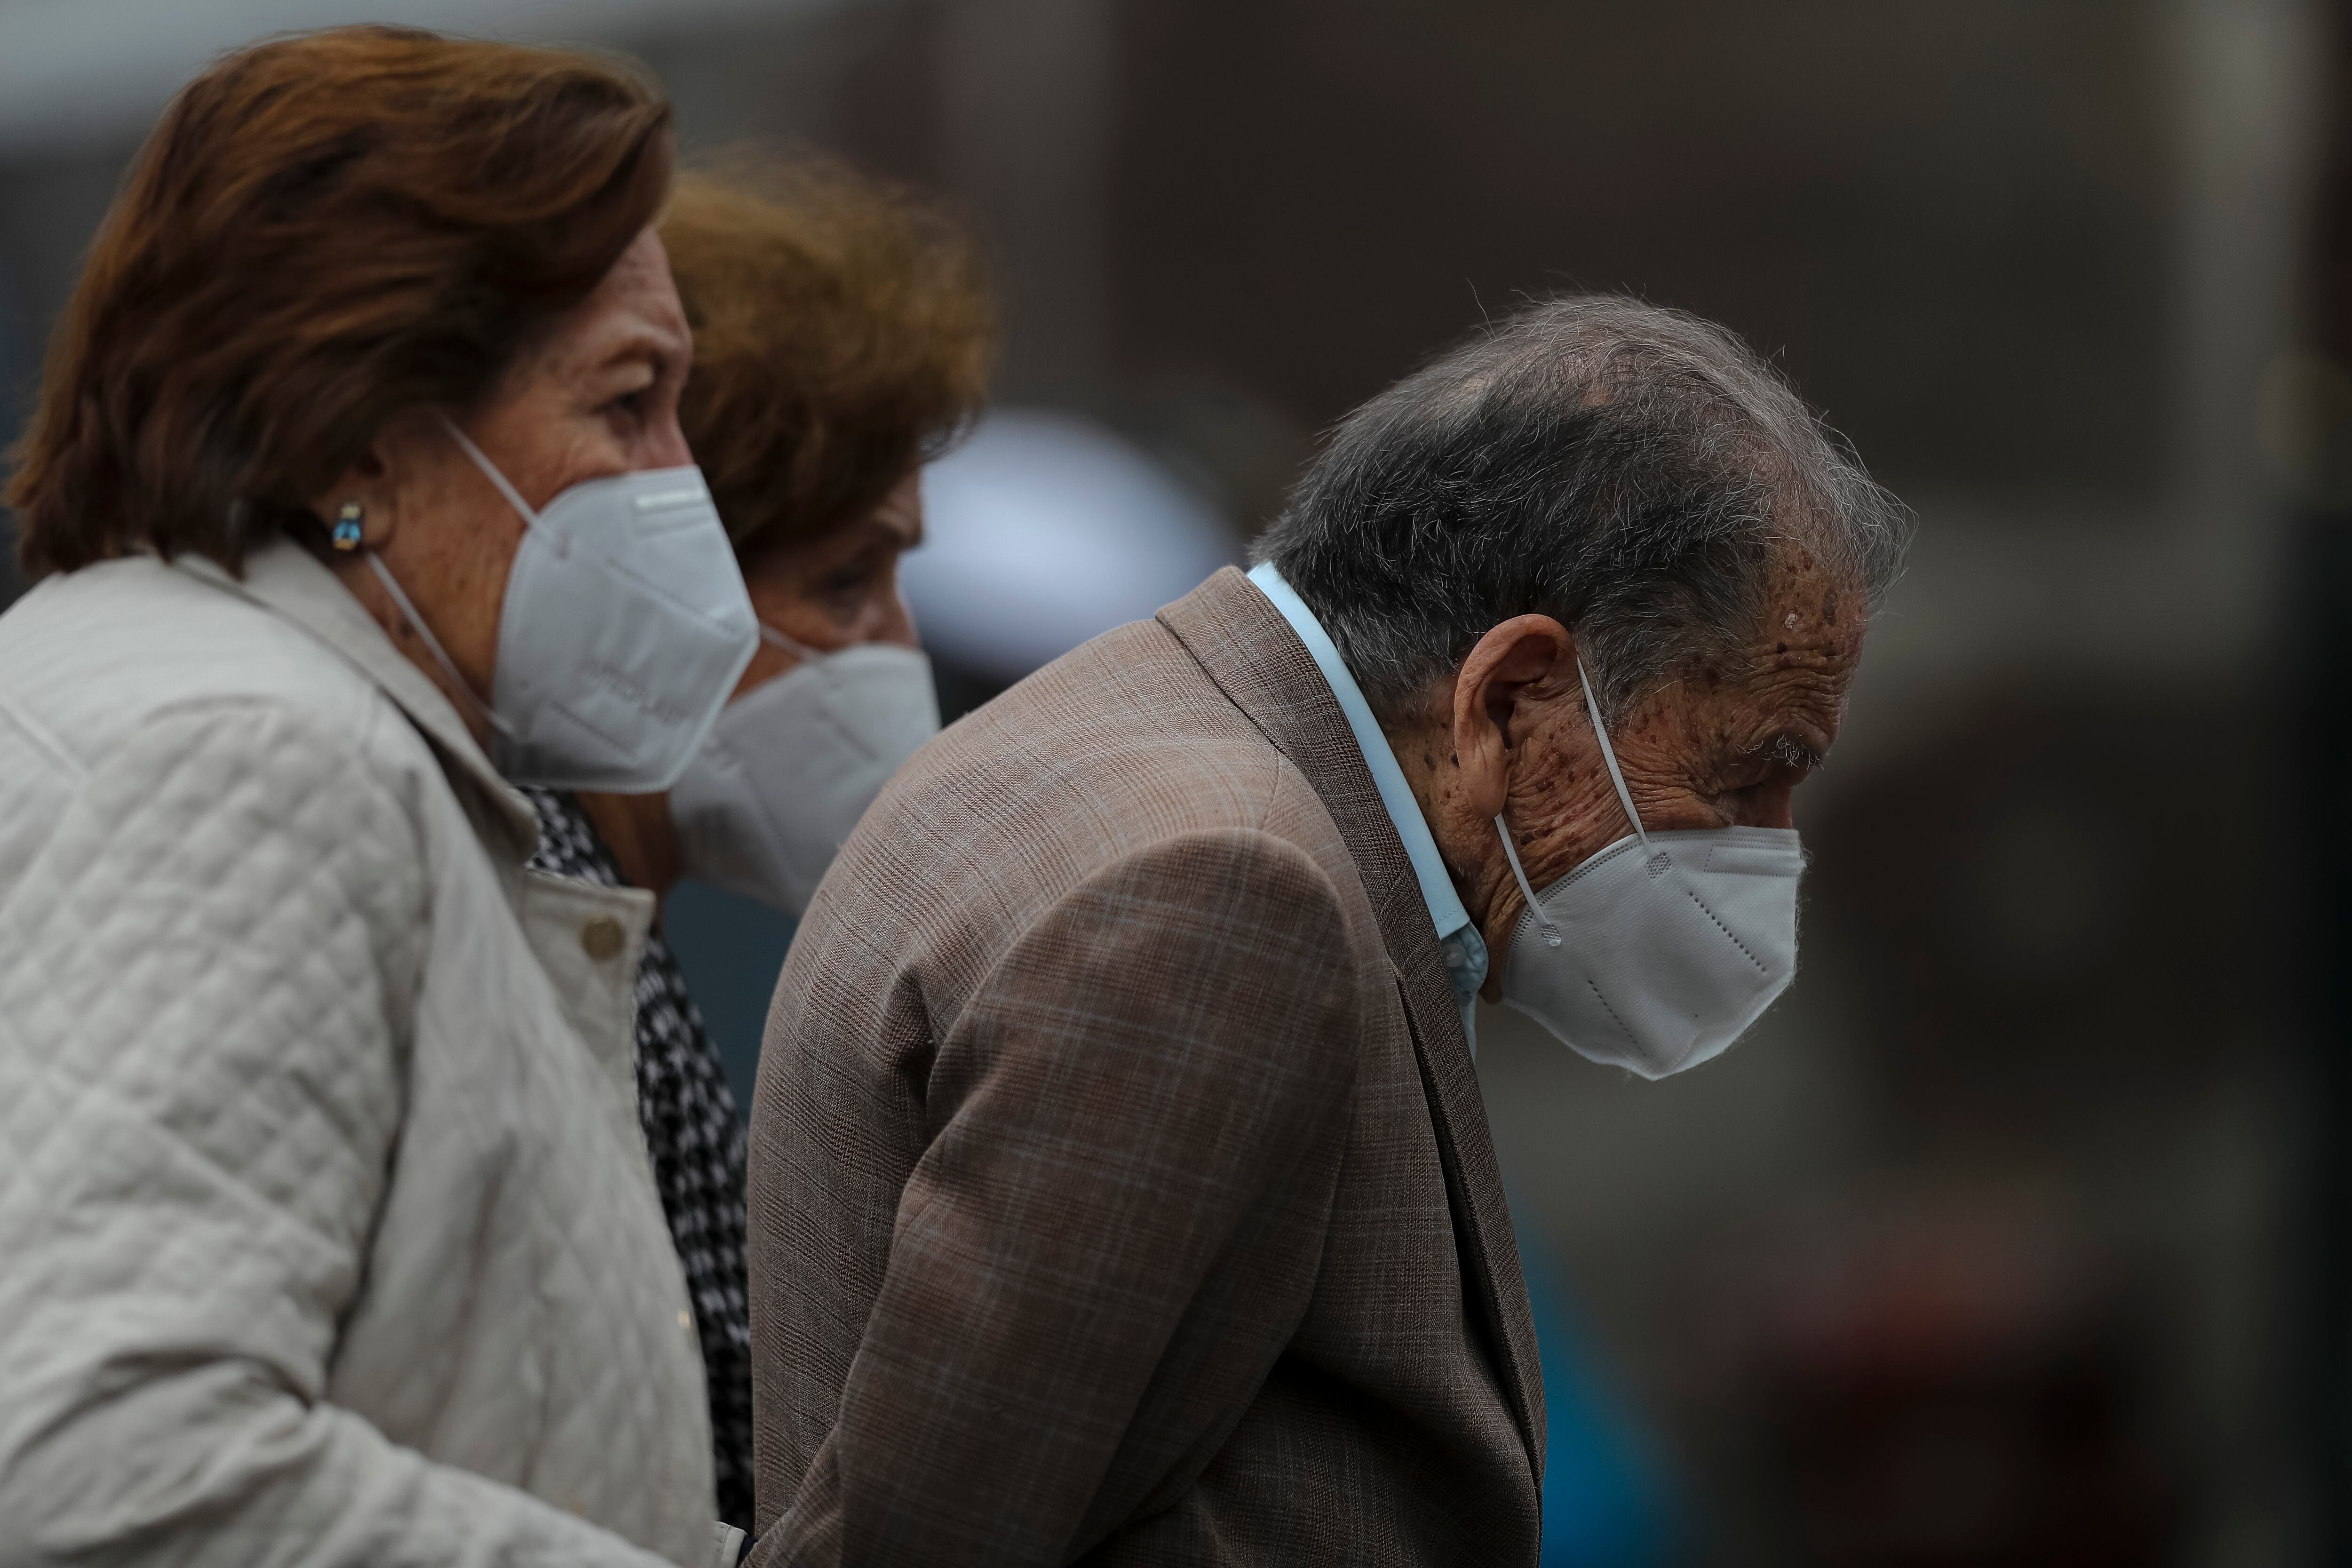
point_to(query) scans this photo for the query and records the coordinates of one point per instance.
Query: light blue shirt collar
(1464, 950)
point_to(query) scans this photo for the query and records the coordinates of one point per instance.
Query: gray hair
(1626, 470)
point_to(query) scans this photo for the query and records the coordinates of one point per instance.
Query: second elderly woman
(842, 333)
(356, 497)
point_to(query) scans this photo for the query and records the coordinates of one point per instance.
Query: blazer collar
(287, 581)
(1255, 658)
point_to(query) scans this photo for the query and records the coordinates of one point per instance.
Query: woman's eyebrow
(642, 351)
(645, 345)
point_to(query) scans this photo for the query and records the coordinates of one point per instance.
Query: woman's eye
(849, 585)
(847, 606)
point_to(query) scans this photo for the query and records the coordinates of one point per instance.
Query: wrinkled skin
(594, 395)
(1705, 747)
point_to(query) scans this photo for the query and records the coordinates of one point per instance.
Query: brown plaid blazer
(1120, 1188)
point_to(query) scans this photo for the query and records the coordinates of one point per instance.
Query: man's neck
(1424, 753)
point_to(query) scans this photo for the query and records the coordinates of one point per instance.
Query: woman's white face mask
(624, 625)
(793, 763)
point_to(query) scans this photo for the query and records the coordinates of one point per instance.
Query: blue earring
(346, 536)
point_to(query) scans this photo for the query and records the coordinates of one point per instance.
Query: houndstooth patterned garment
(696, 1143)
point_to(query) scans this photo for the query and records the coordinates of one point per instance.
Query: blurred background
(2021, 1231)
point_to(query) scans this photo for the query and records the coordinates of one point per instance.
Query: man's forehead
(1791, 692)
(1810, 609)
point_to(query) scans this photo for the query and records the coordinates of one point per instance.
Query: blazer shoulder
(1115, 745)
(1097, 762)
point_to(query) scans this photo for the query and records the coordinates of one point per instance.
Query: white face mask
(793, 763)
(1660, 950)
(624, 627)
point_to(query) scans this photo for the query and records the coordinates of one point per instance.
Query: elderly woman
(841, 333)
(356, 497)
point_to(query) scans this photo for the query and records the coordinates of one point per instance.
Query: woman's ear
(1522, 662)
(364, 497)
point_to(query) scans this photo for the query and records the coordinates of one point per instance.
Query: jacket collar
(1446, 914)
(287, 581)
(1261, 665)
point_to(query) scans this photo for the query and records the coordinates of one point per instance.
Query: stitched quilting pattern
(294, 1231)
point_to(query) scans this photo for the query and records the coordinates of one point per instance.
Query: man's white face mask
(793, 763)
(1659, 952)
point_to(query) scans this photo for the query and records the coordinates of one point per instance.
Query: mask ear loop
(433, 644)
(490, 473)
(789, 643)
(1609, 756)
(1624, 797)
(1543, 921)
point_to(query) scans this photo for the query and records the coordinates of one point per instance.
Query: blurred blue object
(730, 949)
(1045, 529)
(1606, 1501)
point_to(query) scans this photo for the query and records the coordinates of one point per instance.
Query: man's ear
(1524, 659)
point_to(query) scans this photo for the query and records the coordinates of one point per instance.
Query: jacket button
(601, 938)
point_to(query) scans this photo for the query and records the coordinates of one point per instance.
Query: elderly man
(1121, 1186)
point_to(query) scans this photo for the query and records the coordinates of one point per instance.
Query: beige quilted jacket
(326, 1230)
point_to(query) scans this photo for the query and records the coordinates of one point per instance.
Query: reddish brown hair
(843, 331)
(321, 232)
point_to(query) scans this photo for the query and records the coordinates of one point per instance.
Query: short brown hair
(321, 232)
(843, 332)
